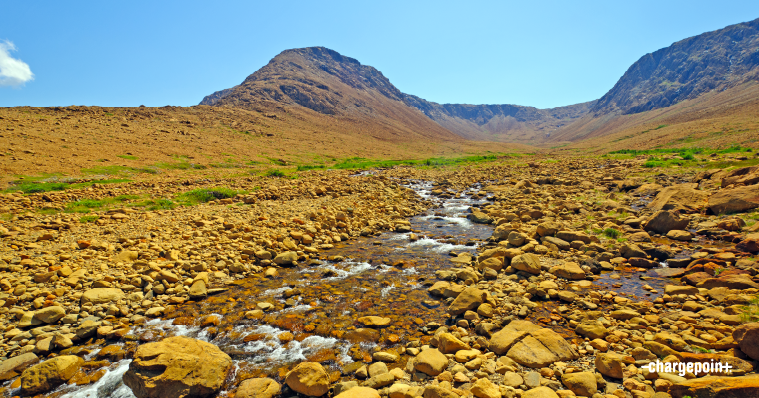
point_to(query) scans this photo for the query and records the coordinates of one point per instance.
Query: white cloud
(13, 72)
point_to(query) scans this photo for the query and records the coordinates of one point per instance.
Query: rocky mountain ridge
(714, 60)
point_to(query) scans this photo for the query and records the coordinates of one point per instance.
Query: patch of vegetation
(86, 205)
(306, 167)
(86, 219)
(161, 204)
(611, 233)
(751, 311)
(204, 195)
(180, 166)
(275, 173)
(128, 157)
(31, 185)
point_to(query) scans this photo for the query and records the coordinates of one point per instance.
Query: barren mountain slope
(505, 123)
(199, 139)
(713, 72)
(329, 83)
(715, 119)
(321, 80)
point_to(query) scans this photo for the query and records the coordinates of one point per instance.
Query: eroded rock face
(735, 200)
(177, 367)
(50, 374)
(308, 378)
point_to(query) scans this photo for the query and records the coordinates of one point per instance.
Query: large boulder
(479, 217)
(102, 295)
(177, 367)
(747, 337)
(612, 364)
(569, 270)
(744, 176)
(527, 262)
(548, 228)
(682, 197)
(469, 299)
(286, 258)
(735, 200)
(540, 348)
(50, 374)
(449, 344)
(12, 367)
(258, 388)
(431, 362)
(484, 388)
(50, 314)
(664, 221)
(540, 392)
(358, 392)
(581, 383)
(308, 378)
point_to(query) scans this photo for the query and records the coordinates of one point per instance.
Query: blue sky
(538, 53)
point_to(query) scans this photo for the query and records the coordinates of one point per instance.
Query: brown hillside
(327, 83)
(201, 139)
(715, 119)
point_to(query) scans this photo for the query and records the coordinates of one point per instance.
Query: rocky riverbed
(509, 279)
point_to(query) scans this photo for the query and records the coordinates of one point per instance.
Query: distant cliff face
(512, 123)
(711, 61)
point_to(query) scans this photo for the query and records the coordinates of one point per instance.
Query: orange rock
(717, 386)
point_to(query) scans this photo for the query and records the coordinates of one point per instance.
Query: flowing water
(315, 306)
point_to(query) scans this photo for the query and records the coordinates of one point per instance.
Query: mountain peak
(317, 78)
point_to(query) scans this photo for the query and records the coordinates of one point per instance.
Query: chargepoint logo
(713, 367)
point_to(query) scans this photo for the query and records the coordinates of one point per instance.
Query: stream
(311, 310)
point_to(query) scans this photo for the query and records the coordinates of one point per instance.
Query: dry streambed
(515, 288)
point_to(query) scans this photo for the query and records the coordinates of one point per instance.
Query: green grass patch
(751, 311)
(86, 219)
(87, 205)
(39, 184)
(204, 195)
(275, 173)
(611, 233)
(128, 157)
(180, 166)
(311, 167)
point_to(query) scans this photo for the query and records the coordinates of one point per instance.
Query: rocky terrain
(589, 269)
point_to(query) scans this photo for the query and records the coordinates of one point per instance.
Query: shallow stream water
(386, 276)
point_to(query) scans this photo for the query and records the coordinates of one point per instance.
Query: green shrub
(204, 195)
(611, 233)
(275, 173)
